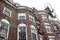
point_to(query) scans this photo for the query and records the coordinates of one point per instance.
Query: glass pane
(48, 30)
(22, 33)
(4, 29)
(21, 17)
(34, 36)
(7, 11)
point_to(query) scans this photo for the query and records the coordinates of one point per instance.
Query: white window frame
(33, 30)
(47, 25)
(31, 18)
(51, 37)
(21, 14)
(44, 17)
(18, 31)
(8, 14)
(6, 21)
(41, 37)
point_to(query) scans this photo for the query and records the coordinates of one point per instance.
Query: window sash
(48, 28)
(33, 36)
(22, 33)
(3, 29)
(21, 15)
(44, 17)
(31, 18)
(33, 32)
(7, 11)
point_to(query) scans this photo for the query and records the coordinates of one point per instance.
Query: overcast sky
(40, 4)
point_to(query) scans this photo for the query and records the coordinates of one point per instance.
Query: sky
(40, 4)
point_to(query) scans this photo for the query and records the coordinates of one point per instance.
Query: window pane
(31, 18)
(21, 15)
(44, 17)
(7, 11)
(34, 36)
(22, 33)
(48, 28)
(33, 31)
(4, 29)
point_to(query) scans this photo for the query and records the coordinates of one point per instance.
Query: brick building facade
(23, 23)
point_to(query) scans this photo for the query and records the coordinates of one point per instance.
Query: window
(48, 28)
(21, 15)
(44, 17)
(51, 37)
(31, 18)
(41, 37)
(22, 31)
(55, 27)
(33, 31)
(59, 35)
(7, 11)
(4, 28)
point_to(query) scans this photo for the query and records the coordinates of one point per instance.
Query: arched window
(4, 28)
(33, 32)
(22, 31)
